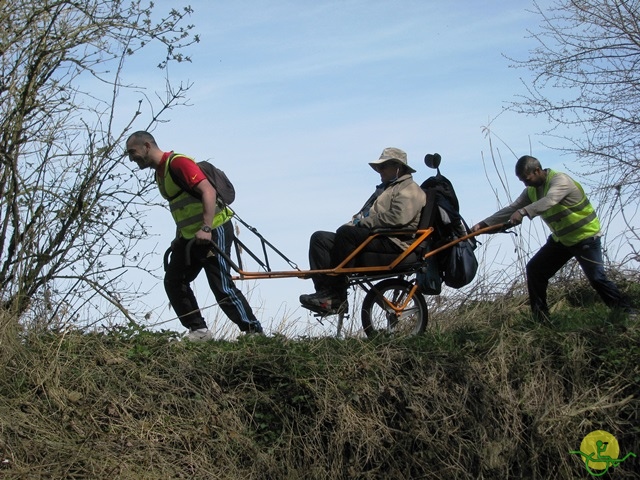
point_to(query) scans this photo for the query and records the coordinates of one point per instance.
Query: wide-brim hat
(392, 154)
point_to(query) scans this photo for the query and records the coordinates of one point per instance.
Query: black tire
(377, 319)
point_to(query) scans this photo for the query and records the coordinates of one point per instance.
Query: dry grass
(483, 394)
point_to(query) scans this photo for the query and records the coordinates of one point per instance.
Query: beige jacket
(399, 206)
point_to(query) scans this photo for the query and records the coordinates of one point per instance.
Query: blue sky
(294, 98)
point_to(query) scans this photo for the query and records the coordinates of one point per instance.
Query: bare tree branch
(71, 212)
(587, 83)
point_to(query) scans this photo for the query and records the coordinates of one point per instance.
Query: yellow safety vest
(569, 224)
(186, 209)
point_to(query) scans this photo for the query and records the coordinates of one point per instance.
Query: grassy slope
(496, 397)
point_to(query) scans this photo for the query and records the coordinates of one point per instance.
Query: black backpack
(456, 266)
(217, 178)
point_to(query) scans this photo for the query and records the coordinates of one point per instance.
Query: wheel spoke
(378, 315)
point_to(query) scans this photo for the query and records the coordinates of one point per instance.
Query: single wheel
(379, 317)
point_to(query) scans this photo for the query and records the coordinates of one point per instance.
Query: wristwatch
(206, 228)
(523, 212)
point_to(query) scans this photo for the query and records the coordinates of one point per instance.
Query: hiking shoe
(199, 335)
(325, 304)
(308, 297)
(254, 329)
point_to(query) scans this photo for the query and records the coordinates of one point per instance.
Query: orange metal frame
(421, 236)
(361, 273)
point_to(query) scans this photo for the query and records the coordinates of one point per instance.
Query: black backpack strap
(178, 179)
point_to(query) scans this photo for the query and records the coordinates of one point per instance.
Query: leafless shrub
(71, 212)
(585, 80)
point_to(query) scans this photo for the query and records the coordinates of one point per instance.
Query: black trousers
(552, 257)
(178, 277)
(329, 249)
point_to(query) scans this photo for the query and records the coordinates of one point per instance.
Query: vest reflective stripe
(186, 209)
(196, 220)
(186, 222)
(569, 224)
(569, 210)
(183, 202)
(584, 222)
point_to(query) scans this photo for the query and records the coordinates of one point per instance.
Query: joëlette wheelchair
(393, 302)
